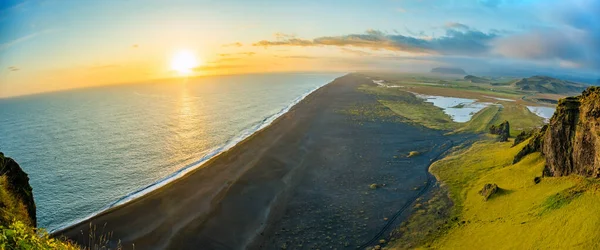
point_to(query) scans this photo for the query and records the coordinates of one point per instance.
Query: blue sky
(49, 44)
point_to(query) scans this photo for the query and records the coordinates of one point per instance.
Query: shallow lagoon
(459, 109)
(544, 112)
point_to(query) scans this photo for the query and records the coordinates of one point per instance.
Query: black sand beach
(301, 183)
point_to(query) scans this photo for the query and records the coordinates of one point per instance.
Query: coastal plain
(332, 172)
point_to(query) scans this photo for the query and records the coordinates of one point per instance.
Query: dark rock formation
(545, 84)
(488, 190)
(17, 187)
(534, 145)
(448, 70)
(503, 130)
(572, 142)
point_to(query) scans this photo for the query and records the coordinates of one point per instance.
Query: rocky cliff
(16, 196)
(571, 140)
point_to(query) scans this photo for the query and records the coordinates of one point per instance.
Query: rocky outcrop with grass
(503, 130)
(523, 136)
(488, 190)
(17, 213)
(572, 141)
(16, 196)
(534, 145)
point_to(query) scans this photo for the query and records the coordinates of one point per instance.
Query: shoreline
(305, 176)
(213, 153)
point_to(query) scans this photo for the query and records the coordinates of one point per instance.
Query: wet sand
(301, 183)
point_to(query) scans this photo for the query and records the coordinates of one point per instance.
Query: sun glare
(184, 62)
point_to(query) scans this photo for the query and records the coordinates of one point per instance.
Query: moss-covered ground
(557, 213)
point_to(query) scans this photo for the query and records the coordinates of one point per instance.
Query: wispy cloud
(299, 57)
(16, 41)
(236, 44)
(226, 59)
(356, 52)
(13, 68)
(216, 67)
(106, 66)
(454, 42)
(455, 25)
(240, 53)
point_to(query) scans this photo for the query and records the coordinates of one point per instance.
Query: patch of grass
(411, 108)
(11, 208)
(423, 113)
(18, 235)
(481, 121)
(556, 213)
(413, 153)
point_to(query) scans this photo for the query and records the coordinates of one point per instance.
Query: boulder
(488, 190)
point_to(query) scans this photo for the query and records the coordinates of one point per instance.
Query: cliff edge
(16, 196)
(572, 141)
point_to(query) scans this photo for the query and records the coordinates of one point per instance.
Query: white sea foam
(197, 164)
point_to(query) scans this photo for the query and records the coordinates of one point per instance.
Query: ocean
(87, 150)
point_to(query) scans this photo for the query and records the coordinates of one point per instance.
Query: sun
(184, 62)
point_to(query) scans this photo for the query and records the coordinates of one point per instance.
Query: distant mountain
(476, 79)
(545, 84)
(447, 70)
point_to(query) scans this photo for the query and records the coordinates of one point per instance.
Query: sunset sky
(50, 45)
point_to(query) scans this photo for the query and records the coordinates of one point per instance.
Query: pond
(459, 109)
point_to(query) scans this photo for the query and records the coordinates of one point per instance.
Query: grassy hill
(545, 84)
(476, 79)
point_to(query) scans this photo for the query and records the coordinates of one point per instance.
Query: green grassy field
(557, 213)
(413, 109)
(519, 116)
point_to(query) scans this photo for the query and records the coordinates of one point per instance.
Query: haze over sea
(88, 149)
